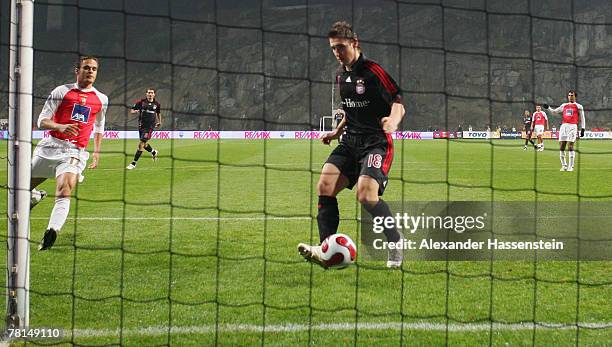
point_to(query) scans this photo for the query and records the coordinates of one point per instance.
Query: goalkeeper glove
(546, 107)
(582, 132)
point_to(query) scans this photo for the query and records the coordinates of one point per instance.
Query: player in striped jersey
(373, 108)
(71, 113)
(572, 112)
(538, 125)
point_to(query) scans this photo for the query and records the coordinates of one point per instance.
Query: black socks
(381, 209)
(328, 217)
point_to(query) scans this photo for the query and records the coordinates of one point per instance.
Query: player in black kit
(527, 122)
(149, 117)
(373, 110)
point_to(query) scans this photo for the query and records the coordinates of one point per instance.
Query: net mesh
(206, 251)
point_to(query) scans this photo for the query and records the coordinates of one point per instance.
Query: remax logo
(111, 135)
(307, 135)
(161, 135)
(206, 135)
(404, 135)
(257, 135)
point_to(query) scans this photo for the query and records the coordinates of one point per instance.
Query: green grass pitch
(199, 248)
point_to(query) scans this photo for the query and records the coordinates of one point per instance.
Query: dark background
(266, 65)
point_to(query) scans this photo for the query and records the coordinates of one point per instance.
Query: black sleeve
(137, 106)
(158, 110)
(387, 86)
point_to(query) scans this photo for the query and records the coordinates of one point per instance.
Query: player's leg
(529, 137)
(367, 194)
(572, 154)
(339, 172)
(147, 147)
(540, 145)
(65, 183)
(375, 165)
(562, 145)
(141, 145)
(42, 169)
(331, 182)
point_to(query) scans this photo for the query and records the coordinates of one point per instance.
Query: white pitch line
(180, 218)
(292, 328)
(213, 167)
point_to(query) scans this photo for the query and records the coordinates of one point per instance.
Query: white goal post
(21, 66)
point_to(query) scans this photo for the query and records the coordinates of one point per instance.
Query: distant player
(149, 117)
(373, 110)
(527, 122)
(538, 125)
(71, 113)
(571, 112)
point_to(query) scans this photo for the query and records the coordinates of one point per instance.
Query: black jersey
(148, 111)
(527, 121)
(367, 92)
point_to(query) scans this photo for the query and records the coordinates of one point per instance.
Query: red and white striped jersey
(539, 118)
(570, 112)
(68, 104)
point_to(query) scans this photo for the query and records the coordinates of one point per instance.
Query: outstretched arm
(49, 124)
(335, 134)
(557, 110)
(391, 123)
(96, 154)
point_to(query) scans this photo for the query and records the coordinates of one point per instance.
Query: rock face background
(243, 64)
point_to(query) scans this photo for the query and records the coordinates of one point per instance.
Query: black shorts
(145, 132)
(528, 132)
(369, 155)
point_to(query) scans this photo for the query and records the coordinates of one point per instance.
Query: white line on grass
(213, 167)
(179, 218)
(290, 328)
(84, 218)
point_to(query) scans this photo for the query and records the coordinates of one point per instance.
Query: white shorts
(568, 132)
(538, 129)
(53, 157)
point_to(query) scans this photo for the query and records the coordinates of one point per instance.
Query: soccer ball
(338, 251)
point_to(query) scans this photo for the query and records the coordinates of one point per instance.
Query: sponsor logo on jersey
(360, 87)
(355, 104)
(80, 113)
(348, 79)
(569, 112)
